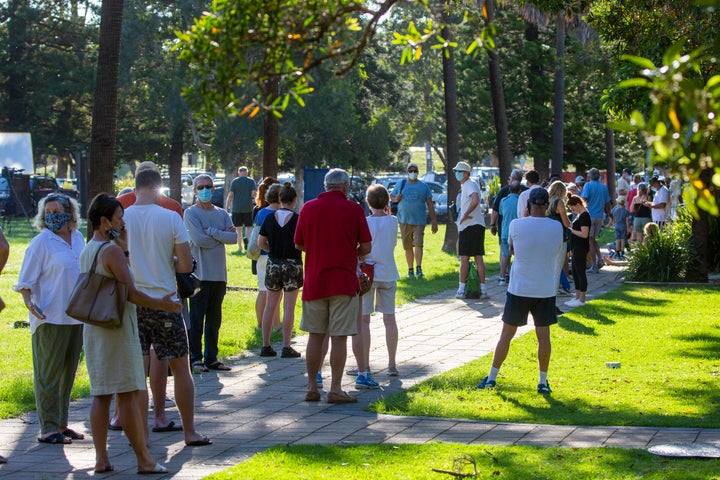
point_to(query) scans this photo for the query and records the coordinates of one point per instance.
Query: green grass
(417, 461)
(665, 340)
(238, 333)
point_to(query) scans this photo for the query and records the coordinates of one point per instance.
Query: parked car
(41, 187)
(436, 177)
(218, 197)
(441, 208)
(436, 189)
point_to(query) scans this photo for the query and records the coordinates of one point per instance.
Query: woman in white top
(47, 277)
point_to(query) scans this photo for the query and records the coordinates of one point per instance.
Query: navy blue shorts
(517, 309)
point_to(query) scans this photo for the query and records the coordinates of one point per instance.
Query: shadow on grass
(698, 346)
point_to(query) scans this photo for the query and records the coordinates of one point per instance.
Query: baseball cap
(539, 196)
(579, 179)
(462, 167)
(411, 165)
(147, 165)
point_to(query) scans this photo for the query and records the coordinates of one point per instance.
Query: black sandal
(219, 366)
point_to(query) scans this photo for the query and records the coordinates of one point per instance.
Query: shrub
(666, 257)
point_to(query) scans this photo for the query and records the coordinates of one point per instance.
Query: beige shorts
(336, 316)
(596, 226)
(381, 298)
(412, 235)
(262, 272)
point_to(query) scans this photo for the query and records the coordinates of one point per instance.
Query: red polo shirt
(330, 228)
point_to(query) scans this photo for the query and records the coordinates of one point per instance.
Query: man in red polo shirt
(333, 233)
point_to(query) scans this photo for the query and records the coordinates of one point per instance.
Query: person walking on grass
(414, 198)
(240, 203)
(535, 241)
(580, 246)
(471, 230)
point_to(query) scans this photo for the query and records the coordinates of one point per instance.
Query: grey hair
(202, 176)
(594, 174)
(516, 174)
(336, 178)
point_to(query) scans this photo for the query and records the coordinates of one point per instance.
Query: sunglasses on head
(203, 187)
(57, 197)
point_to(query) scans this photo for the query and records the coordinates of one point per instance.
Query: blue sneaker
(486, 383)
(418, 271)
(544, 388)
(366, 383)
(318, 379)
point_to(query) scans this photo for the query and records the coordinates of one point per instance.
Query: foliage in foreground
(666, 341)
(417, 461)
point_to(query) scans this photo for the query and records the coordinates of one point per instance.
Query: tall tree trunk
(610, 157)
(451, 131)
(104, 118)
(538, 122)
(497, 94)
(559, 97)
(271, 134)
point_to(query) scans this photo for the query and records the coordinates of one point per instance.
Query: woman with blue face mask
(48, 274)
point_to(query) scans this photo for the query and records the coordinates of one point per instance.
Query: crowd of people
(144, 240)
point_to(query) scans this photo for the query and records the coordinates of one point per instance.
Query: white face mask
(412, 175)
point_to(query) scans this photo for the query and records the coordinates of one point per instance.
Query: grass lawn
(666, 340)
(238, 333)
(417, 461)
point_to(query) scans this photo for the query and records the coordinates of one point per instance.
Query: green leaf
(640, 61)
(635, 83)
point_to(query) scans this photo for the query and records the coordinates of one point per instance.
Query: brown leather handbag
(97, 299)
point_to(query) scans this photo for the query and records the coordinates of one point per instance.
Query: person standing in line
(381, 297)
(557, 210)
(104, 346)
(620, 214)
(496, 218)
(597, 199)
(48, 274)
(640, 207)
(532, 178)
(535, 241)
(259, 266)
(414, 199)
(471, 230)
(240, 204)
(659, 202)
(210, 229)
(580, 246)
(624, 183)
(159, 247)
(508, 213)
(284, 272)
(333, 233)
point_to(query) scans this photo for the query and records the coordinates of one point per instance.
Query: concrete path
(260, 403)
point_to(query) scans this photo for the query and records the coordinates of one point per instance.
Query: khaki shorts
(412, 235)
(381, 298)
(596, 225)
(336, 316)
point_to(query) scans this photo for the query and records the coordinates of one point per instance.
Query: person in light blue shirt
(414, 198)
(598, 204)
(508, 211)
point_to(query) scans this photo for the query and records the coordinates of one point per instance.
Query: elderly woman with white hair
(48, 274)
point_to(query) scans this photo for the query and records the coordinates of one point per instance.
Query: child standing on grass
(620, 214)
(381, 297)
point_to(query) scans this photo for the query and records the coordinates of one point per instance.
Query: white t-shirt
(661, 196)
(477, 217)
(523, 201)
(384, 231)
(623, 187)
(153, 232)
(536, 241)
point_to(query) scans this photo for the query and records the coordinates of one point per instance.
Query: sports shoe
(318, 380)
(411, 273)
(569, 301)
(365, 382)
(564, 293)
(353, 372)
(544, 388)
(592, 269)
(268, 352)
(485, 383)
(460, 294)
(484, 295)
(418, 271)
(575, 303)
(393, 372)
(289, 352)
(502, 282)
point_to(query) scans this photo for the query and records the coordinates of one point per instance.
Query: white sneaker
(570, 301)
(484, 296)
(575, 303)
(460, 294)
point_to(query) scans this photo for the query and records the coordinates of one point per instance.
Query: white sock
(543, 378)
(493, 373)
(482, 288)
(461, 286)
(362, 374)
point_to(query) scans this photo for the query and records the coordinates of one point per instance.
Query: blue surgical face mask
(205, 195)
(459, 176)
(413, 175)
(55, 221)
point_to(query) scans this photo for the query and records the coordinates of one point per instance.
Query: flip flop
(219, 366)
(158, 469)
(55, 438)
(107, 469)
(70, 433)
(199, 366)
(170, 427)
(199, 443)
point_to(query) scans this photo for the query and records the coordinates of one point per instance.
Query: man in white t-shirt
(158, 247)
(532, 179)
(471, 229)
(659, 202)
(535, 241)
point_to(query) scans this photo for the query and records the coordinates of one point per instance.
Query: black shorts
(165, 331)
(517, 309)
(283, 274)
(242, 219)
(471, 241)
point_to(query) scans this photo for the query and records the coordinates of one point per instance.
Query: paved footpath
(260, 403)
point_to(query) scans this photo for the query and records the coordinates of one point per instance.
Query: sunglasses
(412, 171)
(203, 187)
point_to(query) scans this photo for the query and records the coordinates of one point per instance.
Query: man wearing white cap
(413, 198)
(471, 229)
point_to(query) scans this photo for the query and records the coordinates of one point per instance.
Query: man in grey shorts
(158, 247)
